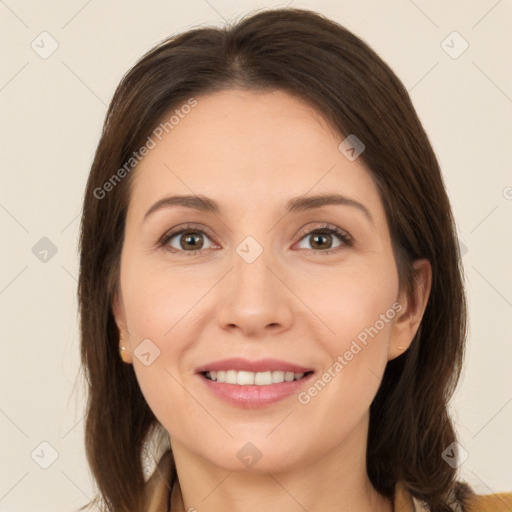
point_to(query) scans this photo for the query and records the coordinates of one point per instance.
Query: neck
(367, 501)
(337, 481)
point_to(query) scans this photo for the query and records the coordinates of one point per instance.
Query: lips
(254, 384)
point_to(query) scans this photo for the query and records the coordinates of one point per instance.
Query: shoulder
(471, 502)
(460, 498)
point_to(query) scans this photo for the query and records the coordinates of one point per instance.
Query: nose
(254, 299)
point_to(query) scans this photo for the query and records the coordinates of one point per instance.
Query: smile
(254, 390)
(244, 378)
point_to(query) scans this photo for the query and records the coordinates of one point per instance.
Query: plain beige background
(52, 111)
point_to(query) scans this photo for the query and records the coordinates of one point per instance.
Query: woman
(267, 241)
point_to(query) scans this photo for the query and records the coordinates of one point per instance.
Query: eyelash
(324, 229)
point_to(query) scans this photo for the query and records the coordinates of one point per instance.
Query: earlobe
(413, 308)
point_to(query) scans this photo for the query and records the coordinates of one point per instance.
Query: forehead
(255, 148)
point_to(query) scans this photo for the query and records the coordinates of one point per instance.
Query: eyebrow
(297, 204)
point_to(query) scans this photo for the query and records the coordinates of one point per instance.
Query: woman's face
(258, 278)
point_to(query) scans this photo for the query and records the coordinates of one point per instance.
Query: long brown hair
(308, 55)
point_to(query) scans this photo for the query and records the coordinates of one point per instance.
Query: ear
(413, 307)
(120, 319)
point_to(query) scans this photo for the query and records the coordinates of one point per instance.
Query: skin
(251, 152)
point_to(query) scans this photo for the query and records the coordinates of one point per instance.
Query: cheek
(160, 302)
(162, 306)
(352, 302)
(357, 313)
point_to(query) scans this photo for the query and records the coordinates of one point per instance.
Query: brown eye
(191, 240)
(322, 239)
(187, 240)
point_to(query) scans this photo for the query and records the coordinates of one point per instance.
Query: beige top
(158, 500)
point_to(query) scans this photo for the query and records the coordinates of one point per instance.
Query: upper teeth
(247, 378)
